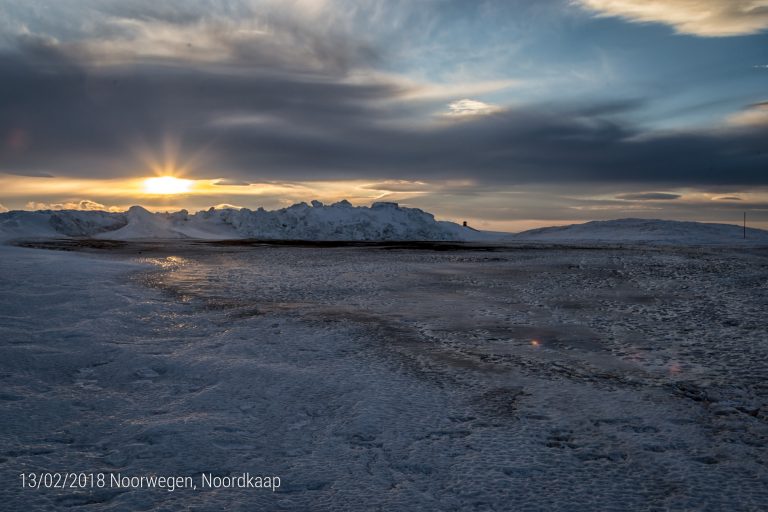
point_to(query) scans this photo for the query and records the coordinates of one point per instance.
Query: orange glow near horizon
(167, 186)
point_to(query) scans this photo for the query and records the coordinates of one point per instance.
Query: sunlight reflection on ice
(167, 263)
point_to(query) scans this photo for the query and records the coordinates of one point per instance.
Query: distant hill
(646, 231)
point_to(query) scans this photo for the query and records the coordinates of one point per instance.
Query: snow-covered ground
(388, 379)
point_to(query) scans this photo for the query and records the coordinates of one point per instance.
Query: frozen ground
(390, 377)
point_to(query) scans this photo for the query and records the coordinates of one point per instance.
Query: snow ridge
(339, 221)
(342, 221)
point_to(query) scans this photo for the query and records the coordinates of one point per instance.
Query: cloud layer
(269, 91)
(706, 18)
(79, 119)
(649, 196)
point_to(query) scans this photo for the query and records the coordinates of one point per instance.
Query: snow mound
(646, 231)
(58, 223)
(339, 221)
(142, 224)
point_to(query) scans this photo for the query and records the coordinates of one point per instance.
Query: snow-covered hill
(339, 221)
(646, 231)
(342, 221)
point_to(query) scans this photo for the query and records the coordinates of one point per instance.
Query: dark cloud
(29, 174)
(232, 183)
(649, 196)
(273, 121)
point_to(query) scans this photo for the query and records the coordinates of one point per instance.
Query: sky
(510, 114)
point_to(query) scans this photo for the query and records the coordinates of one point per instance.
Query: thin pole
(745, 225)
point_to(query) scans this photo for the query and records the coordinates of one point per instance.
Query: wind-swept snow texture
(339, 221)
(646, 230)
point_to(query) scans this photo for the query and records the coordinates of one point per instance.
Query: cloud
(421, 91)
(293, 35)
(615, 208)
(398, 186)
(755, 114)
(3, 209)
(85, 121)
(85, 204)
(649, 196)
(232, 183)
(469, 108)
(705, 18)
(728, 198)
(28, 173)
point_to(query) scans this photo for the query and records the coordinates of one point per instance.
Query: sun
(166, 185)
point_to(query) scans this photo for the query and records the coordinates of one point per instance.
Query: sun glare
(166, 185)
